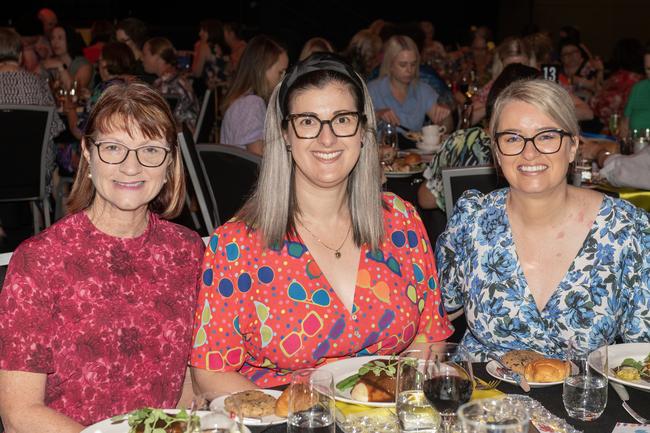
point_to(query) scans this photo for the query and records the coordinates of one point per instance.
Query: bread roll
(303, 400)
(412, 158)
(516, 360)
(546, 370)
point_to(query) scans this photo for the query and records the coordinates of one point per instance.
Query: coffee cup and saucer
(430, 141)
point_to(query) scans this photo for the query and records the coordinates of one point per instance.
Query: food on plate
(148, 419)
(251, 403)
(303, 400)
(546, 370)
(516, 360)
(631, 369)
(374, 382)
(408, 162)
(413, 135)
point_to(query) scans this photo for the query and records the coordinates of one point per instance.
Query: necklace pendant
(337, 254)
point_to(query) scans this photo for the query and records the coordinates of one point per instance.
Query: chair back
(456, 180)
(232, 174)
(24, 138)
(207, 118)
(197, 177)
(172, 100)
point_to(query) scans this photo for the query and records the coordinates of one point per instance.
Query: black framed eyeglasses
(111, 152)
(547, 142)
(310, 126)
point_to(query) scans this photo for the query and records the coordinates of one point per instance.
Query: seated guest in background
(318, 265)
(315, 45)
(637, 110)
(68, 64)
(101, 33)
(134, 33)
(467, 147)
(208, 63)
(232, 34)
(541, 261)
(97, 309)
(19, 87)
(398, 96)
(578, 72)
(261, 68)
(364, 52)
(116, 64)
(159, 58)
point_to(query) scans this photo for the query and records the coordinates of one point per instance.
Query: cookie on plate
(252, 403)
(516, 360)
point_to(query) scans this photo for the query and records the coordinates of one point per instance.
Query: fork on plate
(485, 386)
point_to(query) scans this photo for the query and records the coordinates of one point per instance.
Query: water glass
(311, 402)
(585, 388)
(414, 412)
(493, 416)
(388, 143)
(448, 380)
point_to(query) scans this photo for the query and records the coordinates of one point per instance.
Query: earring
(288, 146)
(90, 175)
(362, 144)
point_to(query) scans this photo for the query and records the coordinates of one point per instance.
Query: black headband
(317, 62)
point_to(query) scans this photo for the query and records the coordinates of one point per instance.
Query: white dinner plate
(108, 426)
(497, 372)
(347, 367)
(405, 173)
(218, 403)
(616, 354)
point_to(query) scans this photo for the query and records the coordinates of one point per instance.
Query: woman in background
(261, 68)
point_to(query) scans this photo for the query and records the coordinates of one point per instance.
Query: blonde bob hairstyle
(273, 207)
(395, 45)
(131, 106)
(548, 97)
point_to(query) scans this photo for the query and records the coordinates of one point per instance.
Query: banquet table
(551, 398)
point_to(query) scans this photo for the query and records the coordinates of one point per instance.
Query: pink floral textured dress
(108, 320)
(269, 312)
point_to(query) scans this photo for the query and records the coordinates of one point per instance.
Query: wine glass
(490, 415)
(414, 412)
(311, 402)
(449, 381)
(388, 144)
(208, 415)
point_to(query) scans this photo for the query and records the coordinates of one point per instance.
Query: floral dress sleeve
(635, 283)
(453, 249)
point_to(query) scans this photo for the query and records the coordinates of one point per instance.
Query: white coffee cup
(431, 136)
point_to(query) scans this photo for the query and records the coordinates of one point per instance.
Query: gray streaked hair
(273, 208)
(548, 97)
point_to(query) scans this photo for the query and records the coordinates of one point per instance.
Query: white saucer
(427, 149)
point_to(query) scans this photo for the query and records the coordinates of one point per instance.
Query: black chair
(231, 173)
(456, 180)
(24, 141)
(207, 119)
(198, 181)
(172, 100)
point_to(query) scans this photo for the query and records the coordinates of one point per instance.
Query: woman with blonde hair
(398, 96)
(261, 68)
(364, 52)
(319, 265)
(541, 261)
(97, 309)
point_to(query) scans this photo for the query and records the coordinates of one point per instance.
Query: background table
(551, 398)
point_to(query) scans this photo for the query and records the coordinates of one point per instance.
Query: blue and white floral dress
(605, 292)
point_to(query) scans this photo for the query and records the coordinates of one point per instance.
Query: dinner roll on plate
(546, 370)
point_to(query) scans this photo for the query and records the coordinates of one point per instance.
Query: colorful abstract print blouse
(604, 292)
(269, 312)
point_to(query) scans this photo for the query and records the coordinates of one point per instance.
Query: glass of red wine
(449, 381)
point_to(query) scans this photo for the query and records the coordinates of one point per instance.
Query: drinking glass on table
(209, 415)
(449, 380)
(311, 402)
(490, 415)
(414, 412)
(388, 144)
(585, 388)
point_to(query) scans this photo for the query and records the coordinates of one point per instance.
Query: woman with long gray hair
(319, 264)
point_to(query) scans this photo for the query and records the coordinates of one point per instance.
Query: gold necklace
(337, 251)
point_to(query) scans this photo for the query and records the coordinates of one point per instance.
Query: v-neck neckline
(329, 285)
(512, 248)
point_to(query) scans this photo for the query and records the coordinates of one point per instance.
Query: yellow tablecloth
(638, 197)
